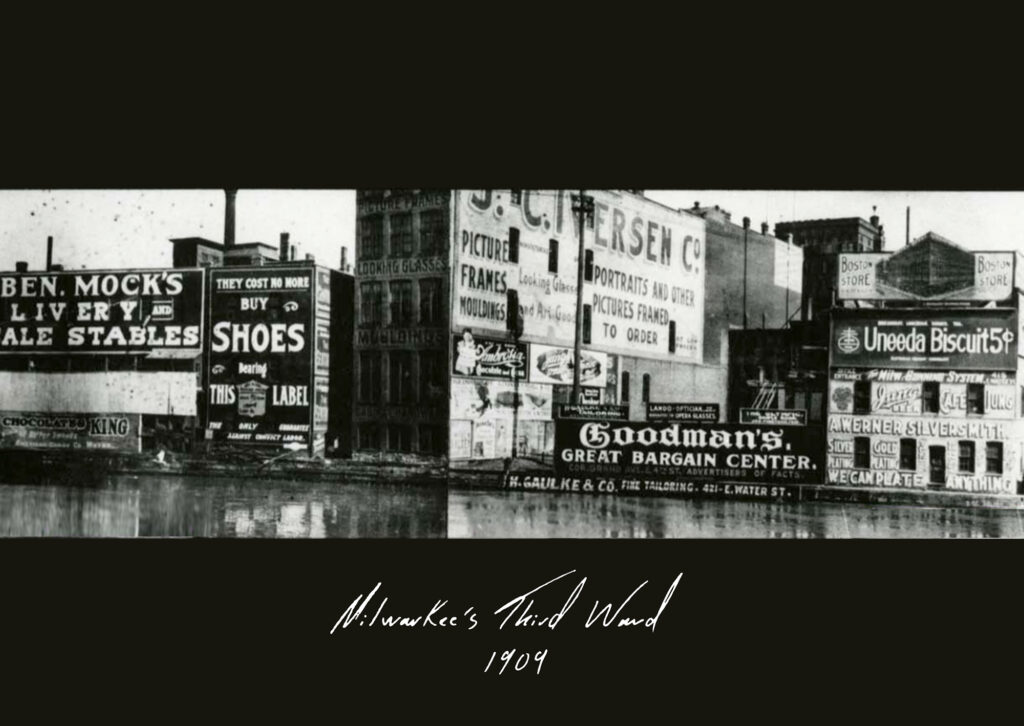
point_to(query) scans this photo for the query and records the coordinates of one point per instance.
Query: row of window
(391, 303)
(929, 397)
(908, 455)
(402, 385)
(433, 234)
(431, 439)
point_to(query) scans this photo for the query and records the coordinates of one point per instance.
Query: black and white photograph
(510, 363)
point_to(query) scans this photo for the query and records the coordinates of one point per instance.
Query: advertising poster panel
(102, 312)
(488, 357)
(694, 452)
(774, 416)
(969, 276)
(904, 395)
(261, 356)
(84, 431)
(982, 340)
(648, 270)
(554, 365)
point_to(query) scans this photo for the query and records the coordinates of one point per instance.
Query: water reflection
(154, 506)
(546, 514)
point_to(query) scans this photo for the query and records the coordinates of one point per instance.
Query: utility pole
(908, 225)
(583, 205)
(746, 228)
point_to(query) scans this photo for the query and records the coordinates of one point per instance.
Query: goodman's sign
(944, 339)
(726, 452)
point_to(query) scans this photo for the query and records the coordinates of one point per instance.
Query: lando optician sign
(982, 340)
(727, 452)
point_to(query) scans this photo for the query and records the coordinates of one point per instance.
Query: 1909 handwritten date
(521, 612)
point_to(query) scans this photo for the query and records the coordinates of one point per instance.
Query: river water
(171, 506)
(476, 513)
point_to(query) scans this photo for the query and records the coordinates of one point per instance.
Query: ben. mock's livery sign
(118, 311)
(726, 452)
(263, 351)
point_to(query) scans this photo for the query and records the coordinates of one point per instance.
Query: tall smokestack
(283, 253)
(291, 252)
(229, 217)
(49, 253)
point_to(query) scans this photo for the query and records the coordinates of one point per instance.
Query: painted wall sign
(588, 411)
(648, 270)
(904, 276)
(912, 376)
(683, 412)
(488, 357)
(84, 431)
(263, 350)
(654, 487)
(725, 452)
(549, 364)
(110, 311)
(982, 340)
(774, 416)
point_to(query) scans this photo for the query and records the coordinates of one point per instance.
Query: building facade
(924, 370)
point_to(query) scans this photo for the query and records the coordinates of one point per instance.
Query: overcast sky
(98, 228)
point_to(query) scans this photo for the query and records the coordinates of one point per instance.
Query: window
(645, 389)
(908, 454)
(966, 457)
(553, 256)
(401, 235)
(513, 245)
(400, 377)
(432, 439)
(369, 435)
(862, 397)
(515, 196)
(671, 336)
(994, 457)
(862, 452)
(371, 238)
(586, 324)
(371, 303)
(432, 375)
(975, 398)
(588, 265)
(430, 301)
(369, 377)
(930, 397)
(433, 232)
(401, 302)
(399, 437)
(625, 386)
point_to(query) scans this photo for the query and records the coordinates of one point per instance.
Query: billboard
(724, 452)
(263, 352)
(898, 398)
(490, 399)
(488, 357)
(968, 276)
(554, 365)
(84, 431)
(972, 340)
(102, 312)
(648, 271)
(935, 453)
(591, 411)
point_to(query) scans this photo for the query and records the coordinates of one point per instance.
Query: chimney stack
(56, 268)
(20, 266)
(310, 257)
(49, 253)
(291, 252)
(283, 253)
(764, 228)
(874, 216)
(229, 217)
(344, 259)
